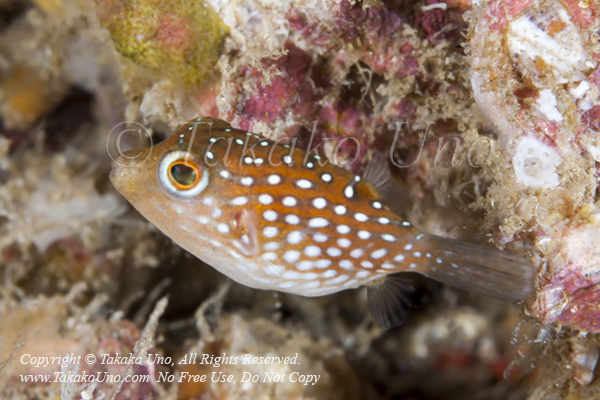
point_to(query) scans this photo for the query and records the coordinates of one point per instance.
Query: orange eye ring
(184, 175)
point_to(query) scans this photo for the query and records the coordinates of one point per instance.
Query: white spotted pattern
(270, 215)
(246, 181)
(357, 253)
(324, 263)
(340, 210)
(292, 219)
(349, 192)
(312, 251)
(320, 203)
(364, 235)
(334, 252)
(273, 179)
(294, 237)
(343, 242)
(265, 199)
(319, 238)
(271, 246)
(305, 265)
(318, 222)
(360, 217)
(388, 238)
(291, 256)
(239, 201)
(378, 253)
(223, 228)
(270, 231)
(304, 184)
(289, 201)
(270, 256)
(343, 229)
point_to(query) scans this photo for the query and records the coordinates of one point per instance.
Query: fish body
(271, 216)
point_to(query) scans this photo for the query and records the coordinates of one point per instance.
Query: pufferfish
(274, 217)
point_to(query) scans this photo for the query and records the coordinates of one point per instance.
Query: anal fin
(389, 300)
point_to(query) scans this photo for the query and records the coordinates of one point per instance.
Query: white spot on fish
(377, 205)
(399, 258)
(265, 199)
(292, 219)
(225, 174)
(203, 220)
(270, 231)
(319, 237)
(270, 215)
(239, 201)
(322, 263)
(362, 274)
(318, 222)
(334, 252)
(319, 203)
(305, 265)
(378, 253)
(357, 253)
(388, 237)
(271, 246)
(349, 192)
(304, 184)
(340, 210)
(295, 237)
(223, 228)
(364, 235)
(291, 256)
(337, 280)
(412, 266)
(384, 220)
(408, 247)
(343, 229)
(312, 251)
(346, 264)
(246, 181)
(273, 179)
(270, 256)
(329, 274)
(326, 177)
(289, 201)
(343, 242)
(366, 264)
(417, 254)
(360, 217)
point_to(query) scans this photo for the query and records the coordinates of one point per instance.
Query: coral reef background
(492, 148)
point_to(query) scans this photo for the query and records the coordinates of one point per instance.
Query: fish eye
(181, 175)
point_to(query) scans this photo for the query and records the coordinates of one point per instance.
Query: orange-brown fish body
(275, 218)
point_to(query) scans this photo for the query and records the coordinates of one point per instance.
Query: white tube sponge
(535, 164)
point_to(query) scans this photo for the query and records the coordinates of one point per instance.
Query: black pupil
(184, 175)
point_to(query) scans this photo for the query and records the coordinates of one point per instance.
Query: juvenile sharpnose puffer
(271, 216)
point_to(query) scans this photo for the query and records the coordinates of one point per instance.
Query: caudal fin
(481, 269)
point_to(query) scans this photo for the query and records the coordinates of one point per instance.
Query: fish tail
(478, 268)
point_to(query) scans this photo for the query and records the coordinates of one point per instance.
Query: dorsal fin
(389, 299)
(377, 175)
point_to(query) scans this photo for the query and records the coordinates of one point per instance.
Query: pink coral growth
(174, 33)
